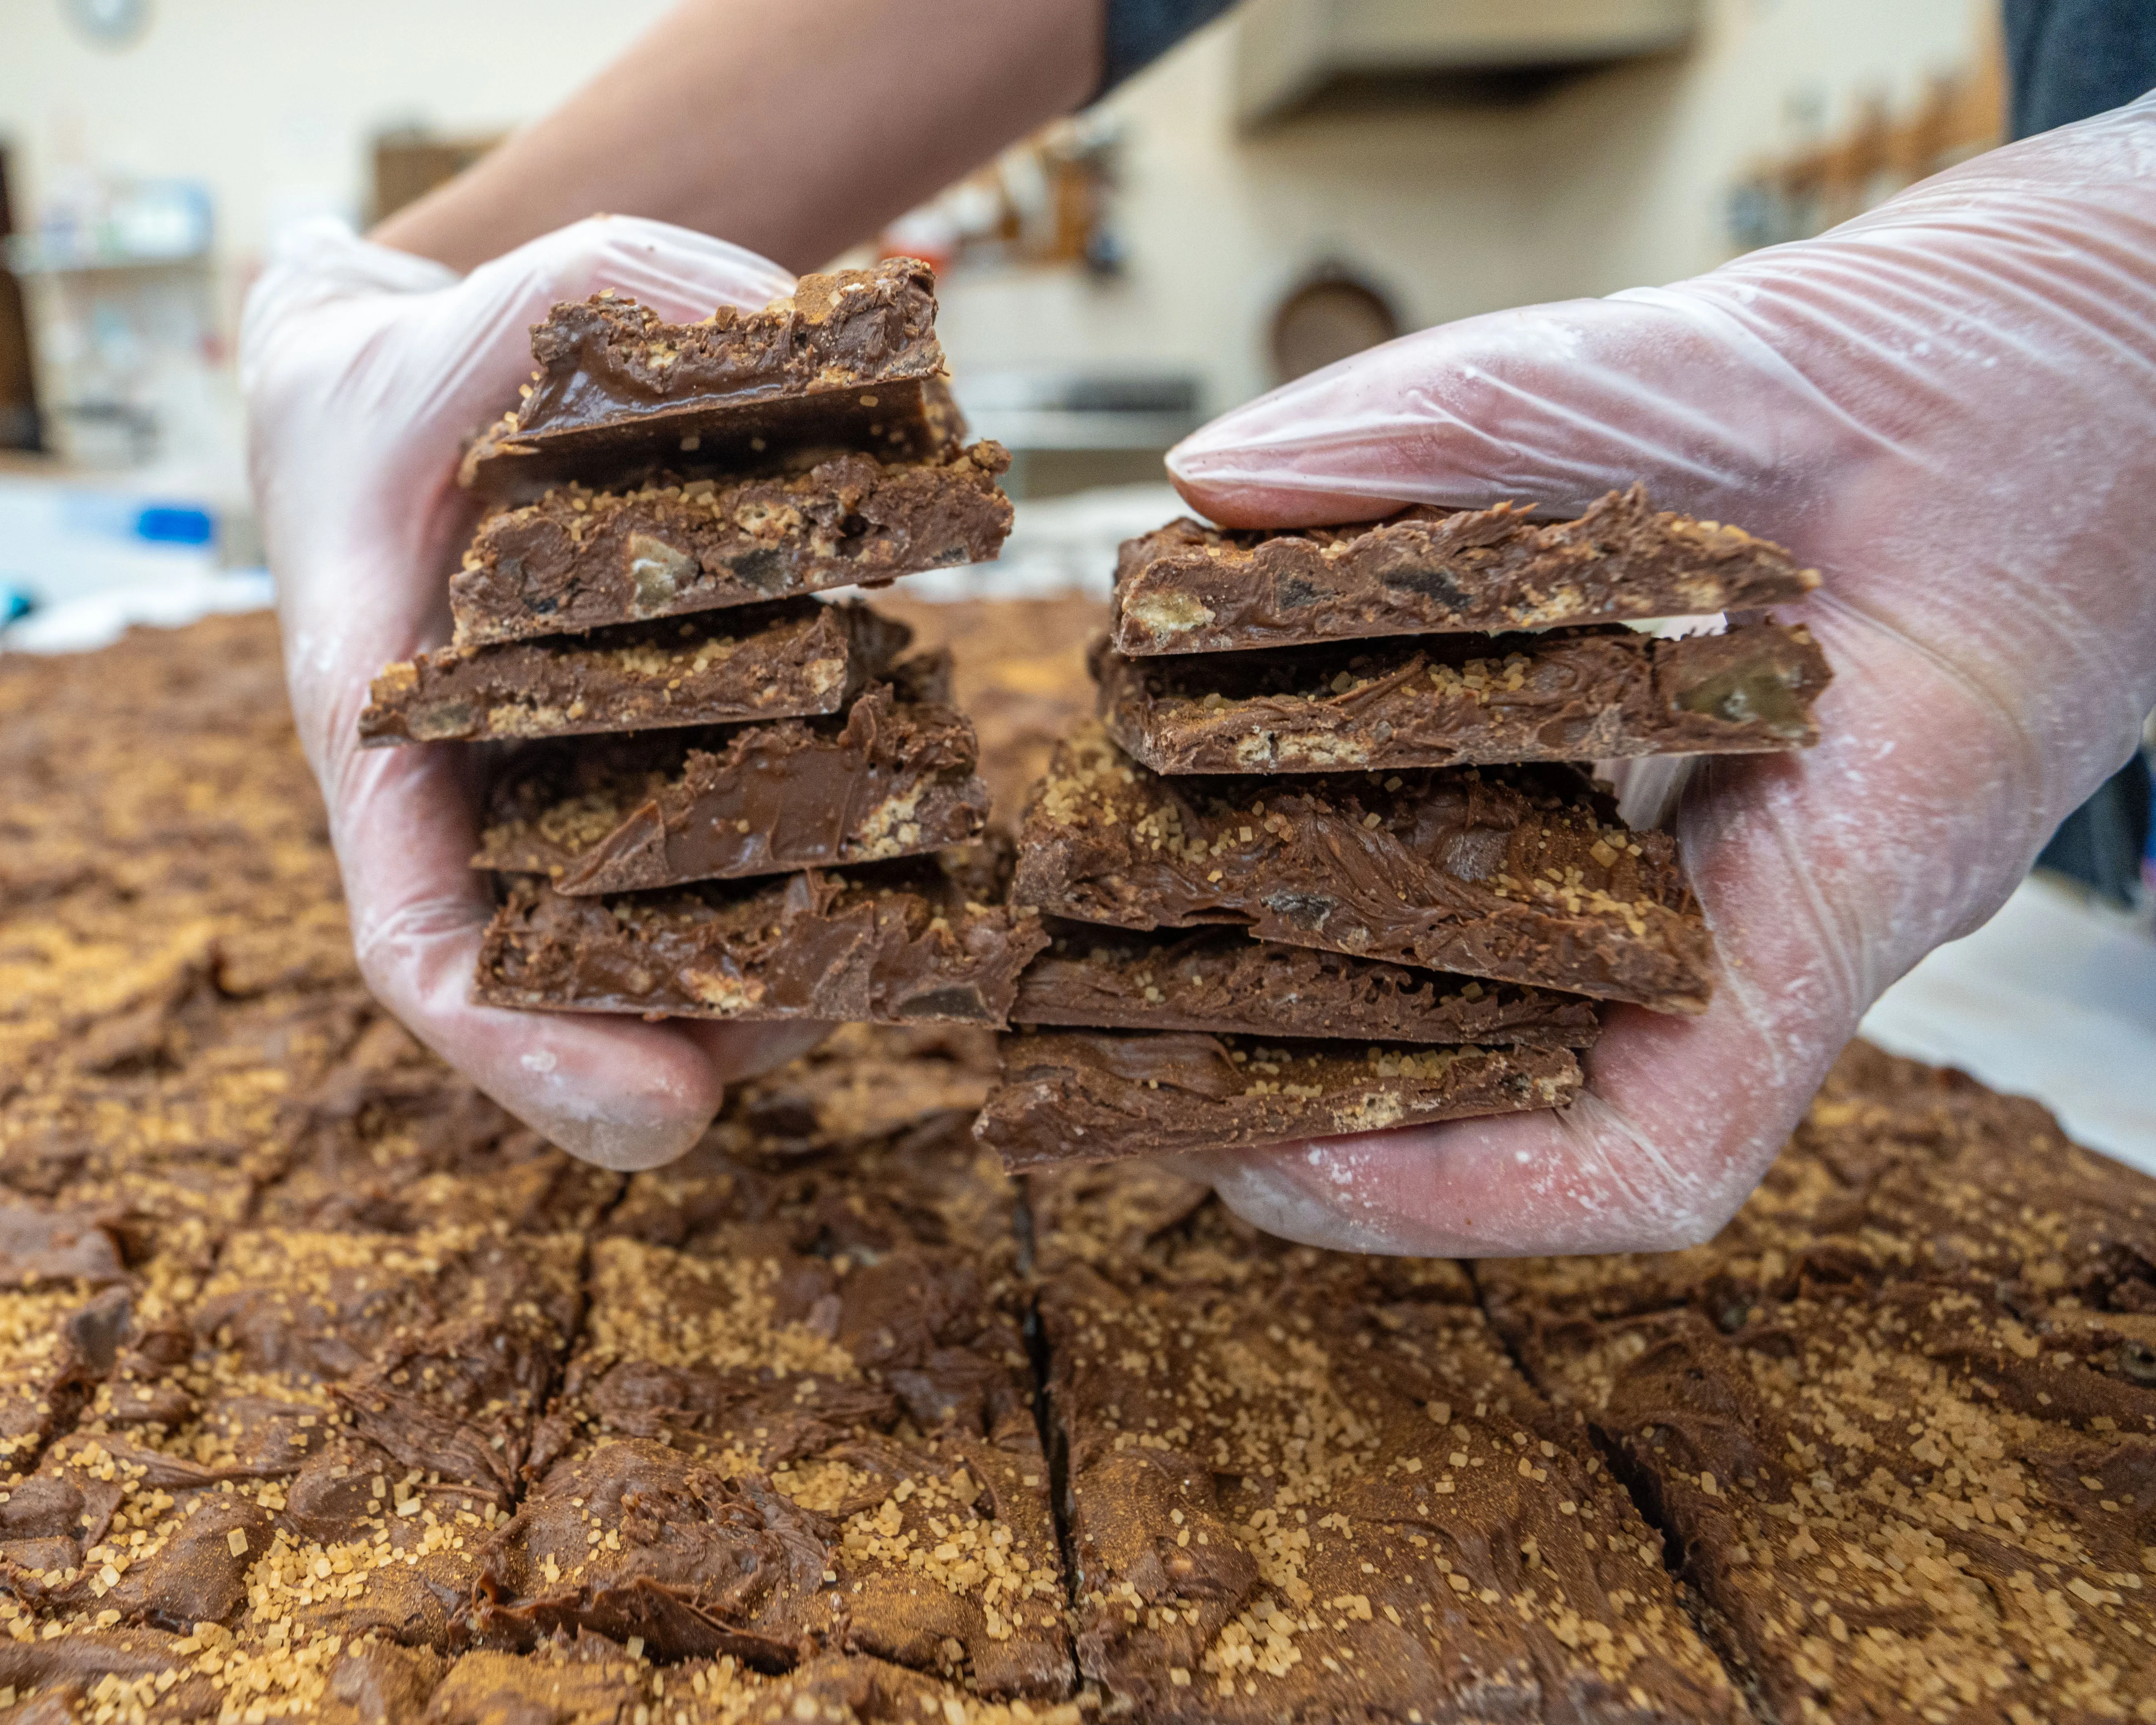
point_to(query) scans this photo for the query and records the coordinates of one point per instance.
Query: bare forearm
(793, 127)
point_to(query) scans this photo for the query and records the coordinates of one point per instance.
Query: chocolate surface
(843, 362)
(578, 559)
(1308, 1485)
(795, 658)
(1523, 874)
(921, 942)
(1221, 982)
(1188, 588)
(894, 778)
(1092, 1096)
(1444, 702)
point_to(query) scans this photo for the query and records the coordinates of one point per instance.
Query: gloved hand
(363, 370)
(1948, 407)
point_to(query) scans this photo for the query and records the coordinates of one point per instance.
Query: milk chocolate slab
(1188, 588)
(578, 559)
(848, 360)
(919, 942)
(1093, 1095)
(781, 661)
(1519, 874)
(1309, 1485)
(1586, 695)
(1221, 982)
(893, 778)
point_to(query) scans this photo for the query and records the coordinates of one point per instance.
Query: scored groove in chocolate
(1187, 588)
(1451, 701)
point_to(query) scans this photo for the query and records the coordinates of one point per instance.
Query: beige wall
(1615, 180)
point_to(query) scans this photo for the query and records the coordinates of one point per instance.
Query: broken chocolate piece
(1078, 1095)
(1187, 588)
(927, 941)
(849, 360)
(1457, 701)
(578, 559)
(1522, 873)
(1220, 981)
(796, 658)
(894, 778)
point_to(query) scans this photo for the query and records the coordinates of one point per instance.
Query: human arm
(1948, 407)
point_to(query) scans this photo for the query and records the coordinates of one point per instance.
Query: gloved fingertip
(625, 1142)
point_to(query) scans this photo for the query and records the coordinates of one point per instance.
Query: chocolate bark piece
(1521, 874)
(786, 660)
(893, 778)
(1792, 1460)
(928, 941)
(849, 359)
(1309, 1485)
(1221, 982)
(578, 559)
(1091, 1095)
(1187, 588)
(803, 1420)
(1571, 695)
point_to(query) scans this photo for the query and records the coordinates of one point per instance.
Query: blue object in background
(175, 524)
(14, 604)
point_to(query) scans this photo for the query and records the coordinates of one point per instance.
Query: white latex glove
(364, 369)
(1948, 406)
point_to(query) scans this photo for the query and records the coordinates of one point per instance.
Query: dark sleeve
(1141, 31)
(2069, 59)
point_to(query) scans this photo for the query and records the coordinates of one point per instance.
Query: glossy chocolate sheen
(578, 559)
(849, 360)
(927, 941)
(1188, 588)
(1220, 981)
(1521, 874)
(895, 777)
(1453, 700)
(1094, 1096)
(797, 658)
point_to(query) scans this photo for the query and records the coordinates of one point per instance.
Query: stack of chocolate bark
(663, 504)
(1329, 862)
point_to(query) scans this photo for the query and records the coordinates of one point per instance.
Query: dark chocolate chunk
(1220, 981)
(894, 778)
(578, 559)
(928, 941)
(795, 658)
(849, 360)
(1188, 588)
(1587, 694)
(1307, 1485)
(1522, 873)
(1091, 1095)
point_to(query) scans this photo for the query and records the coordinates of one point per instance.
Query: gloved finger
(749, 1050)
(613, 1090)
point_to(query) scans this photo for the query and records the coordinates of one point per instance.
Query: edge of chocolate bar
(1096, 1095)
(1515, 874)
(1457, 700)
(1220, 982)
(797, 659)
(896, 778)
(576, 559)
(1190, 588)
(926, 941)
